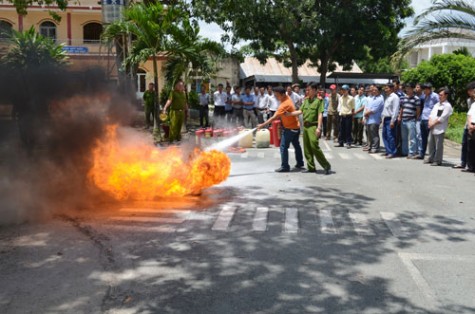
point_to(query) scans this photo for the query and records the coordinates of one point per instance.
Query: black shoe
(302, 167)
(339, 145)
(309, 171)
(282, 170)
(436, 164)
(328, 170)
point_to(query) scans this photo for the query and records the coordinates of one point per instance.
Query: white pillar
(444, 49)
(429, 55)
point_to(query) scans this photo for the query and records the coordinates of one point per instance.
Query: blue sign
(76, 49)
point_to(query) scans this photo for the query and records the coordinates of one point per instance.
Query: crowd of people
(413, 118)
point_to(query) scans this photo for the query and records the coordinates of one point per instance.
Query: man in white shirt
(204, 102)
(262, 104)
(296, 98)
(470, 140)
(219, 98)
(438, 123)
(390, 114)
(470, 101)
(238, 117)
(347, 110)
(273, 102)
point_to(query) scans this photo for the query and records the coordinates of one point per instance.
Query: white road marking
(154, 211)
(344, 156)
(260, 219)
(148, 219)
(360, 224)
(377, 156)
(159, 229)
(245, 155)
(276, 155)
(291, 224)
(327, 146)
(394, 224)
(421, 283)
(261, 155)
(329, 156)
(361, 157)
(224, 218)
(326, 221)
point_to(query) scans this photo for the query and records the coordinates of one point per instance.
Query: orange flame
(140, 171)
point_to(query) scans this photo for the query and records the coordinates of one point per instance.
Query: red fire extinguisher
(277, 130)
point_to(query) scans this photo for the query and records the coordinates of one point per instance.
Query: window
(92, 32)
(141, 81)
(5, 29)
(48, 29)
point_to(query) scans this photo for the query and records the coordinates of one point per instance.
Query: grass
(456, 125)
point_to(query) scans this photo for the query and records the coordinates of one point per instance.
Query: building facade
(435, 47)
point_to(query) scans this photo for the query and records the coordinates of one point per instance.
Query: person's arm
(352, 106)
(318, 131)
(395, 104)
(275, 116)
(168, 103)
(293, 113)
(363, 106)
(471, 127)
(418, 110)
(399, 117)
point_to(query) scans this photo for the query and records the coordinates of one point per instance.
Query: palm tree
(192, 55)
(150, 26)
(444, 19)
(29, 50)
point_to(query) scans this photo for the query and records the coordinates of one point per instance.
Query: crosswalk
(233, 217)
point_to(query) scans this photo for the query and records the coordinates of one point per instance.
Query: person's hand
(318, 132)
(287, 114)
(260, 126)
(392, 125)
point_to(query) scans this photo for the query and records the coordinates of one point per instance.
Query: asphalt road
(375, 236)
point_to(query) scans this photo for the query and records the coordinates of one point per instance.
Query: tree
(452, 70)
(324, 31)
(193, 55)
(151, 26)
(444, 19)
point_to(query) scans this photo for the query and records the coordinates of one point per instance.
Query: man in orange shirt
(291, 130)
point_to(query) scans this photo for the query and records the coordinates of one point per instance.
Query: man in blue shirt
(358, 126)
(430, 99)
(248, 102)
(372, 114)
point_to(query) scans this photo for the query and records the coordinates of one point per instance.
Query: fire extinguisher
(277, 130)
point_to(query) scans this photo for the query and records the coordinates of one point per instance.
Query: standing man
(262, 104)
(273, 102)
(333, 118)
(219, 98)
(360, 104)
(238, 117)
(291, 130)
(178, 108)
(250, 120)
(325, 114)
(296, 98)
(390, 114)
(312, 111)
(408, 115)
(470, 101)
(204, 109)
(419, 93)
(149, 101)
(228, 106)
(346, 113)
(430, 99)
(438, 123)
(373, 113)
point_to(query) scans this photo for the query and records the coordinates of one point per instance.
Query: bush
(456, 125)
(452, 70)
(193, 100)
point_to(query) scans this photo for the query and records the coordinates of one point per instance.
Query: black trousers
(204, 116)
(471, 151)
(345, 129)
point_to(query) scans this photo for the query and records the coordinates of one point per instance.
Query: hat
(426, 85)
(333, 86)
(345, 87)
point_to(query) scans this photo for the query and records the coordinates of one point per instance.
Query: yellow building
(79, 30)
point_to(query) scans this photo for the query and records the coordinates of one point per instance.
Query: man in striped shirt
(410, 110)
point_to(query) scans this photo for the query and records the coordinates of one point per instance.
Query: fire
(140, 171)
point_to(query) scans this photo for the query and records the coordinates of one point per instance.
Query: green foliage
(456, 126)
(193, 100)
(462, 51)
(453, 71)
(29, 50)
(443, 19)
(324, 31)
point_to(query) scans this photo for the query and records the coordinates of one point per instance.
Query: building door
(141, 83)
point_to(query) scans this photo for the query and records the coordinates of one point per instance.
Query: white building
(435, 47)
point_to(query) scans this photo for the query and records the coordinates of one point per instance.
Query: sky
(214, 32)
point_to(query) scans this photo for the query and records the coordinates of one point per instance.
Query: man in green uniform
(312, 111)
(178, 110)
(149, 105)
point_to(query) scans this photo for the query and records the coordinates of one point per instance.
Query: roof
(275, 71)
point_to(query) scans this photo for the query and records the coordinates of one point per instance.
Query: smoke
(45, 149)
